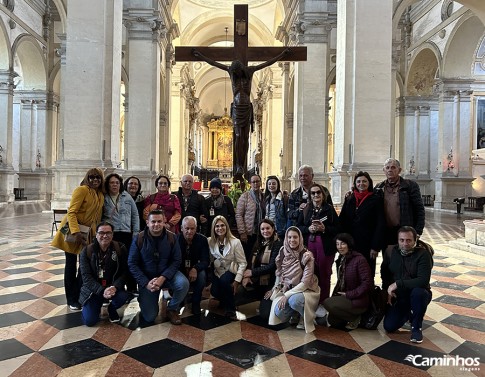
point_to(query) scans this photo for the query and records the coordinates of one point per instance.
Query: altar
(220, 144)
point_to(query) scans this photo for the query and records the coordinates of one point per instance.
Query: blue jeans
(408, 307)
(198, 286)
(92, 307)
(149, 300)
(296, 303)
(222, 290)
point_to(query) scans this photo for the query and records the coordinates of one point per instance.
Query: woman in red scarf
(362, 216)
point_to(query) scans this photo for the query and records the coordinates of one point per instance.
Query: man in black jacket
(103, 269)
(405, 273)
(192, 203)
(403, 204)
(195, 259)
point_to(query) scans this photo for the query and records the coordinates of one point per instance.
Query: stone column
(363, 137)
(90, 99)
(286, 154)
(274, 130)
(309, 132)
(7, 172)
(454, 134)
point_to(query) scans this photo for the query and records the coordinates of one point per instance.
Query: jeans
(149, 300)
(248, 247)
(296, 303)
(92, 307)
(408, 307)
(198, 286)
(72, 279)
(222, 290)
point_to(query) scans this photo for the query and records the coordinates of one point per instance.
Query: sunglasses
(93, 177)
(316, 192)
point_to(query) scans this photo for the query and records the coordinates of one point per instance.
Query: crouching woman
(296, 288)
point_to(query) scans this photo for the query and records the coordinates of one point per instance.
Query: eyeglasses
(316, 192)
(103, 234)
(93, 177)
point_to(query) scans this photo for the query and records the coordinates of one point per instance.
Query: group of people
(281, 248)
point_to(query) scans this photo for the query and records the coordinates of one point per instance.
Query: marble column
(453, 150)
(90, 102)
(363, 136)
(7, 172)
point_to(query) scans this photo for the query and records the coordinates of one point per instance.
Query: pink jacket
(245, 213)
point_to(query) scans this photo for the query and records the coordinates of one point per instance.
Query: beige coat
(232, 258)
(310, 293)
(86, 208)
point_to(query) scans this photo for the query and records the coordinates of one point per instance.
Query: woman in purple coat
(350, 297)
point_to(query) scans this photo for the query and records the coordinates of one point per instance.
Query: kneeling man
(405, 273)
(154, 262)
(103, 269)
(195, 256)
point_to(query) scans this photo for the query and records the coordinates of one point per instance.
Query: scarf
(218, 202)
(288, 267)
(361, 196)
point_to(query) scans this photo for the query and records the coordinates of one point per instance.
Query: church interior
(98, 84)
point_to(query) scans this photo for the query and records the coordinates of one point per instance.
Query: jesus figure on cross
(241, 107)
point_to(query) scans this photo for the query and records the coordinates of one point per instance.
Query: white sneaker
(321, 311)
(166, 294)
(301, 324)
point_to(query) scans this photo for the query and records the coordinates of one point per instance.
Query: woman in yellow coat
(86, 208)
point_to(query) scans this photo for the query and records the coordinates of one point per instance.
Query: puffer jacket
(245, 213)
(358, 280)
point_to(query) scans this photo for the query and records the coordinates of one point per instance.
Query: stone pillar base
(7, 184)
(449, 188)
(37, 185)
(340, 184)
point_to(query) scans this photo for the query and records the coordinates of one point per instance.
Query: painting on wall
(481, 123)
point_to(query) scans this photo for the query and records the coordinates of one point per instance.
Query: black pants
(72, 279)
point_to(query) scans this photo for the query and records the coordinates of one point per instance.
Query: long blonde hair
(227, 237)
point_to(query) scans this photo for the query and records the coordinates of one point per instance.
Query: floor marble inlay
(39, 336)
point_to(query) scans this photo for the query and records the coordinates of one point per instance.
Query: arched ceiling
(203, 23)
(460, 51)
(4, 47)
(421, 76)
(32, 64)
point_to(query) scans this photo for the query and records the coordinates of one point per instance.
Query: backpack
(371, 318)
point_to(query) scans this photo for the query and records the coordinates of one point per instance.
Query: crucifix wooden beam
(241, 51)
(241, 76)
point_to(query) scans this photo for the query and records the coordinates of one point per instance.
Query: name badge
(212, 212)
(100, 273)
(187, 263)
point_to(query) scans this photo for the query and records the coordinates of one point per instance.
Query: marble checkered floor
(40, 336)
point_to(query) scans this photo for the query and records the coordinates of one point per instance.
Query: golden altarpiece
(220, 143)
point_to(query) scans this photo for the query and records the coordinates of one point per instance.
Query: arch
(31, 58)
(62, 13)
(398, 12)
(476, 6)
(5, 53)
(208, 29)
(422, 71)
(460, 49)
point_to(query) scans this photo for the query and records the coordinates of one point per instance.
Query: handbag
(69, 237)
(377, 308)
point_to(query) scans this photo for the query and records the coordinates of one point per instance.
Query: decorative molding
(446, 9)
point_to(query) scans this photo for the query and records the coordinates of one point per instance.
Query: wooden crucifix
(241, 76)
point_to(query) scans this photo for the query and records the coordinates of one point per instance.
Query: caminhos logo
(464, 363)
